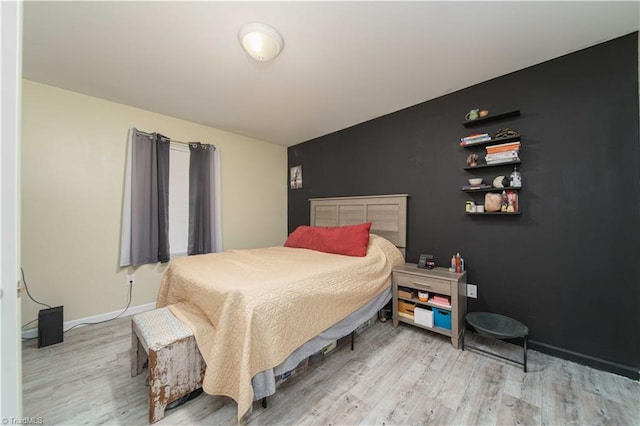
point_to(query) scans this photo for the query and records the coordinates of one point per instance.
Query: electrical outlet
(131, 279)
(472, 291)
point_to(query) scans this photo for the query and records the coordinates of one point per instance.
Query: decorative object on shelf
(472, 160)
(492, 202)
(500, 182)
(472, 115)
(505, 133)
(515, 178)
(423, 296)
(512, 201)
(475, 181)
(470, 207)
(483, 113)
(479, 208)
(492, 117)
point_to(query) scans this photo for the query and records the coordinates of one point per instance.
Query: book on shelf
(501, 155)
(441, 299)
(504, 150)
(491, 149)
(503, 161)
(475, 137)
(502, 145)
(465, 144)
(475, 141)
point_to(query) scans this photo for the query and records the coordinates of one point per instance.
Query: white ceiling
(343, 63)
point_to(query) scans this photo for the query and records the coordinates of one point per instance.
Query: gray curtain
(201, 198)
(149, 199)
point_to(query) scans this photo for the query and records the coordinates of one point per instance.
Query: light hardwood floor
(394, 376)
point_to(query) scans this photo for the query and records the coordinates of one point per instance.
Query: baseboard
(81, 322)
(598, 363)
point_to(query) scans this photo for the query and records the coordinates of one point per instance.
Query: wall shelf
(507, 139)
(492, 213)
(482, 166)
(491, 117)
(512, 159)
(507, 188)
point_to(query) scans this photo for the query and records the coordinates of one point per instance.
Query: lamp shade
(260, 41)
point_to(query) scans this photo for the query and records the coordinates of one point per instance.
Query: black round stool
(499, 327)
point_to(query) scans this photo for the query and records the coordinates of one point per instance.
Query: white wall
(73, 159)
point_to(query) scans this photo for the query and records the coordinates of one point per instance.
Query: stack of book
(475, 138)
(503, 153)
(443, 301)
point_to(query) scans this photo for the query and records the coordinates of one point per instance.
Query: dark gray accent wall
(569, 265)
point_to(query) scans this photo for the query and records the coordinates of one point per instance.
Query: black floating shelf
(492, 213)
(482, 166)
(492, 141)
(507, 188)
(491, 117)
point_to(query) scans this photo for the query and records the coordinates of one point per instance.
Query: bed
(256, 314)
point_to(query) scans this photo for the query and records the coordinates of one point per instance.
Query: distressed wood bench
(176, 367)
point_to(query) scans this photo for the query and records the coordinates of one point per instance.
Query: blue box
(442, 318)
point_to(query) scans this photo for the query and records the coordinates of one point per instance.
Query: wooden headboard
(388, 214)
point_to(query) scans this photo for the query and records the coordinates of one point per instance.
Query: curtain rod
(171, 140)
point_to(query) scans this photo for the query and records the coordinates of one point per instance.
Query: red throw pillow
(351, 240)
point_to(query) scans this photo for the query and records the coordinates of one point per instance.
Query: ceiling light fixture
(260, 41)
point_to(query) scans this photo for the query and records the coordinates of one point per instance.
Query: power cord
(26, 339)
(82, 323)
(26, 287)
(110, 319)
(30, 322)
(29, 294)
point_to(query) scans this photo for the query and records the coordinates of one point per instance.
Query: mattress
(251, 309)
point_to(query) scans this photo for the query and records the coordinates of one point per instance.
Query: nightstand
(446, 320)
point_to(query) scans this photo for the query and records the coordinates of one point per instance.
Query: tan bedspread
(249, 309)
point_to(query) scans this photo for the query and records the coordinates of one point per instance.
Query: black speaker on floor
(50, 326)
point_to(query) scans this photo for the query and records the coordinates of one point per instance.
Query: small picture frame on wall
(296, 177)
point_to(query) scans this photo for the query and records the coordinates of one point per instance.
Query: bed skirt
(264, 383)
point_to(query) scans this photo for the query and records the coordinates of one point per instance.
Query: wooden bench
(176, 367)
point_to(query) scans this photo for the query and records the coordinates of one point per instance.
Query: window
(155, 210)
(178, 199)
